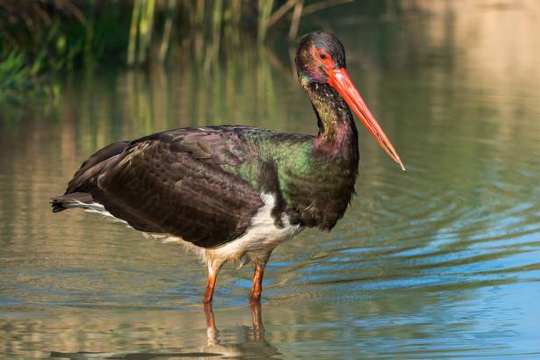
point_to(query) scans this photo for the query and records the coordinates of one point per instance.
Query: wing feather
(177, 182)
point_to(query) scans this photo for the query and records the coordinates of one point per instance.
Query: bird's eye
(323, 56)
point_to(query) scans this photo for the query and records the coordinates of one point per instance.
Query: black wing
(180, 182)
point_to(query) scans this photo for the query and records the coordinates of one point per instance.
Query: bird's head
(321, 59)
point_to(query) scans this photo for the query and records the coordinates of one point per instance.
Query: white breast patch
(261, 237)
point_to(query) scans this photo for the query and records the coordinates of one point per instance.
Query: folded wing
(177, 182)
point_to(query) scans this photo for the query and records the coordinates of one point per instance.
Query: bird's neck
(337, 131)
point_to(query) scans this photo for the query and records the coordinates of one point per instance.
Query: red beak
(340, 80)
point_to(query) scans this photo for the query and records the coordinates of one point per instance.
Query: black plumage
(173, 182)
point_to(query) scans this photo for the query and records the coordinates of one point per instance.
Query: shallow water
(439, 262)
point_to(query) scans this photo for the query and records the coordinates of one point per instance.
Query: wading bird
(237, 192)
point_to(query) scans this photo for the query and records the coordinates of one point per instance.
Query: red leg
(209, 293)
(213, 269)
(256, 288)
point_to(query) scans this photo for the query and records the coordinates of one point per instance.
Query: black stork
(237, 192)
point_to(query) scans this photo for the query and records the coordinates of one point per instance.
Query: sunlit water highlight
(441, 261)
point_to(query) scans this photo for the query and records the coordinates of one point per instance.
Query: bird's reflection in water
(249, 343)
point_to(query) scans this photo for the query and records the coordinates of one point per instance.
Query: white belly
(260, 238)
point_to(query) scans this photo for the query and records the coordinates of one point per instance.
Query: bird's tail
(67, 201)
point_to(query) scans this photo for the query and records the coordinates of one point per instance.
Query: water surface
(439, 262)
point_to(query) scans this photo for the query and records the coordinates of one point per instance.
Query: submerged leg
(256, 320)
(211, 330)
(256, 288)
(213, 269)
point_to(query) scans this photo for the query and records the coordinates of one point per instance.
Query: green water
(442, 261)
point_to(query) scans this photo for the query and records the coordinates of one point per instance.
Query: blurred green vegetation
(40, 38)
